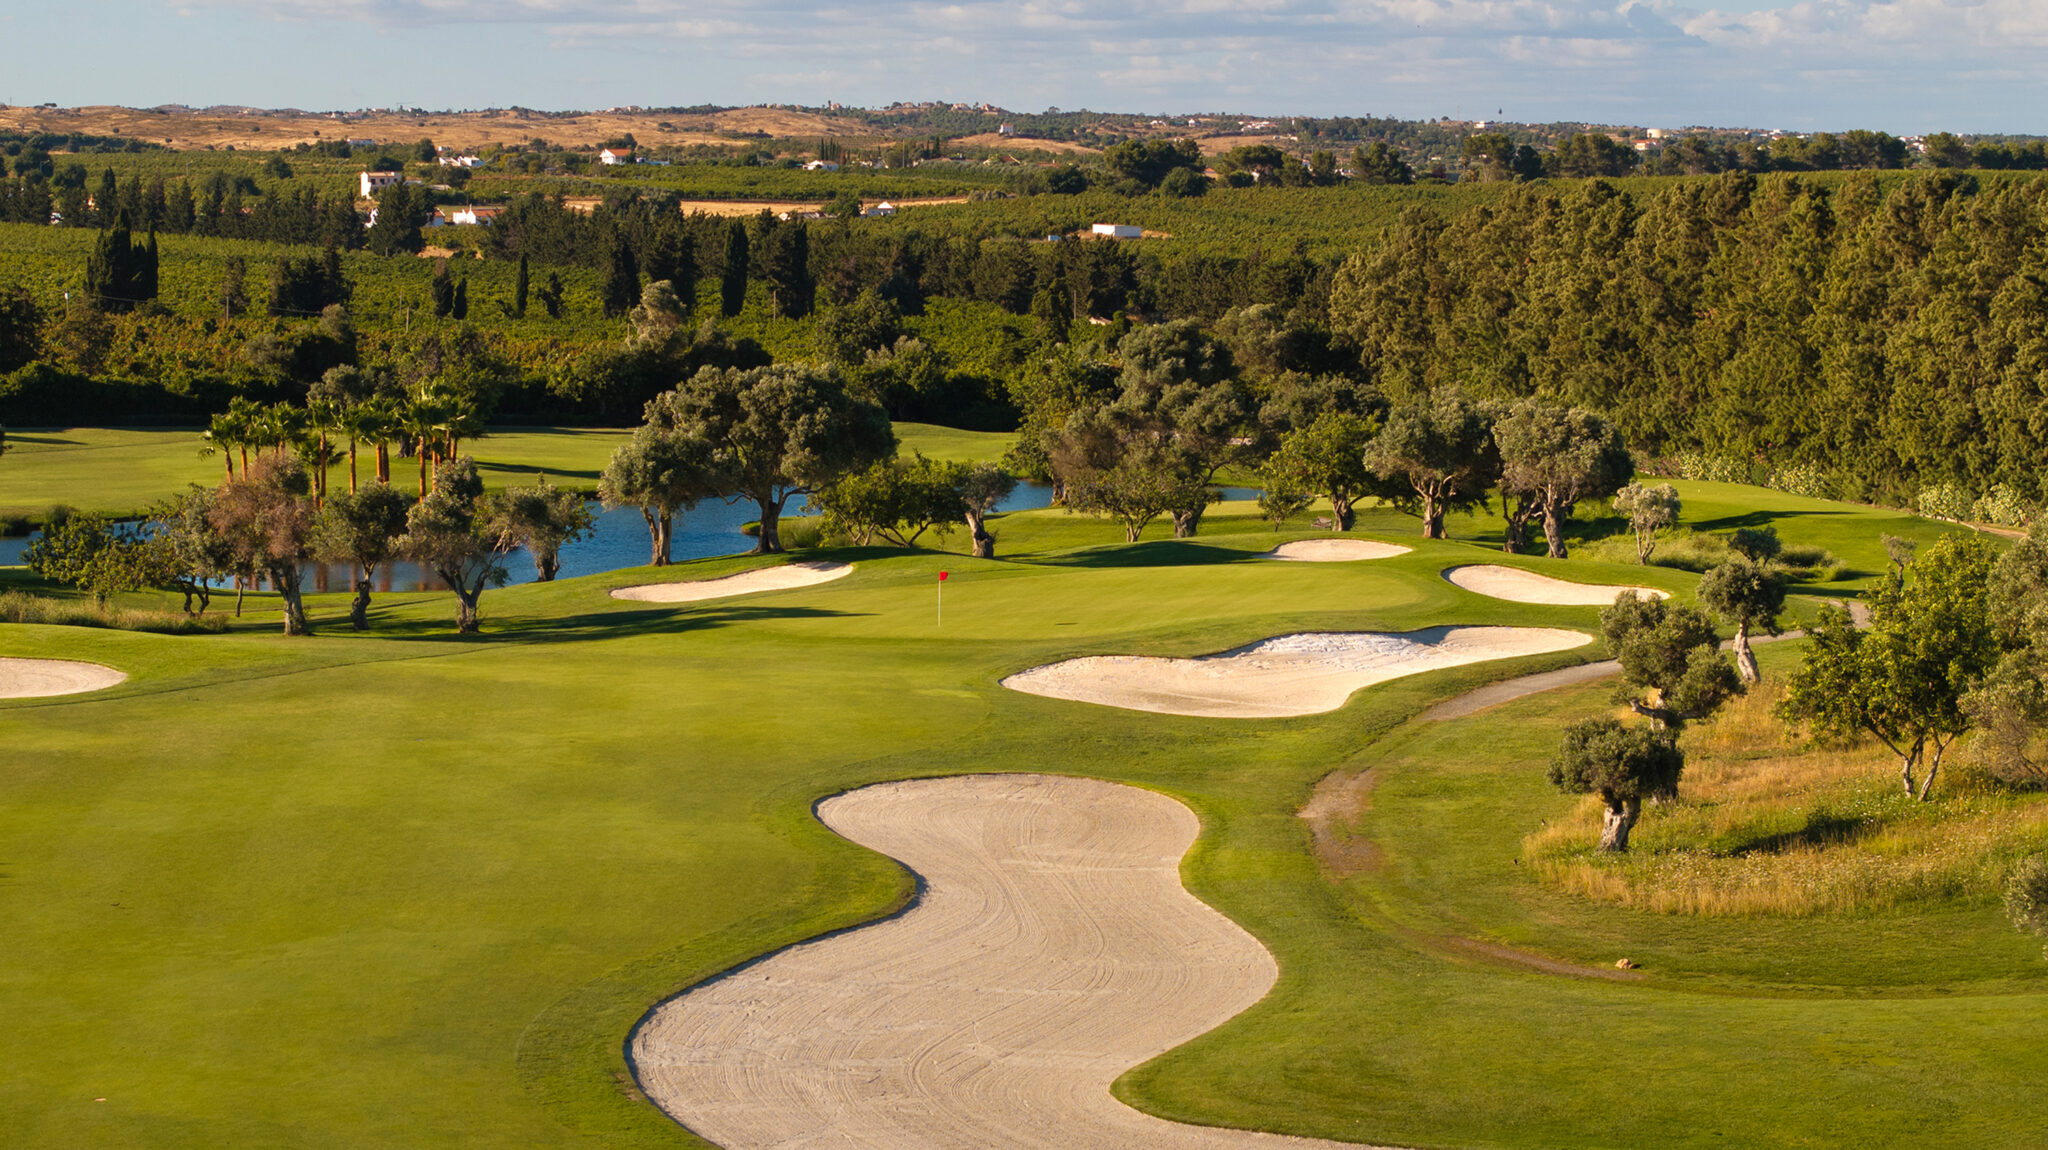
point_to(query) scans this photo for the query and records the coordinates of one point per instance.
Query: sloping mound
(39, 678)
(1519, 586)
(1051, 947)
(745, 583)
(1292, 675)
(1335, 550)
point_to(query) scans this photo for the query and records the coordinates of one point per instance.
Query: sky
(1903, 66)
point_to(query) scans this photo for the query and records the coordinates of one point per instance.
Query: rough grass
(21, 607)
(1766, 825)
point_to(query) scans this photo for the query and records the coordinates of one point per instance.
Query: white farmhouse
(474, 215)
(374, 182)
(885, 208)
(611, 156)
(821, 166)
(1118, 231)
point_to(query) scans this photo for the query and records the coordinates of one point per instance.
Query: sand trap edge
(1520, 585)
(24, 678)
(783, 577)
(1334, 551)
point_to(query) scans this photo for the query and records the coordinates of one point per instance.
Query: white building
(374, 182)
(474, 215)
(821, 166)
(885, 208)
(1118, 231)
(611, 157)
(461, 161)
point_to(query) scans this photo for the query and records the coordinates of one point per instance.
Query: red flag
(942, 576)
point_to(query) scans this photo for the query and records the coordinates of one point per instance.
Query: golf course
(598, 875)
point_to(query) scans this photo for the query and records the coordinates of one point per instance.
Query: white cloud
(1904, 65)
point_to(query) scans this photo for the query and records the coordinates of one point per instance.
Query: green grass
(413, 890)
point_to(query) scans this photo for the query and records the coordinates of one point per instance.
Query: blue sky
(1905, 66)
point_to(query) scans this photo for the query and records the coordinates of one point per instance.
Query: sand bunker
(1519, 586)
(38, 678)
(1335, 550)
(1051, 948)
(745, 583)
(1291, 675)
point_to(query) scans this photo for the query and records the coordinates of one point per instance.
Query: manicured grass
(952, 444)
(413, 890)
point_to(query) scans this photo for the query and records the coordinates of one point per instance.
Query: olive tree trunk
(1616, 820)
(1554, 514)
(285, 578)
(359, 607)
(660, 530)
(977, 534)
(1517, 540)
(1745, 658)
(1341, 513)
(1186, 523)
(770, 542)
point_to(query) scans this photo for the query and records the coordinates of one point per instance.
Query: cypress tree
(110, 268)
(459, 306)
(519, 287)
(622, 280)
(732, 286)
(144, 280)
(786, 265)
(443, 290)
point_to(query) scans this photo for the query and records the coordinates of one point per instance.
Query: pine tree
(519, 287)
(732, 286)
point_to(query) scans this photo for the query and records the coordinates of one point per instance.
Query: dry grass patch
(1769, 825)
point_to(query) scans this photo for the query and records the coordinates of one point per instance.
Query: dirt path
(745, 583)
(40, 678)
(1051, 948)
(1519, 586)
(1302, 674)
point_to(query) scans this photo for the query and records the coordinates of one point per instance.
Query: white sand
(780, 578)
(1292, 675)
(1335, 550)
(1052, 948)
(1519, 586)
(38, 678)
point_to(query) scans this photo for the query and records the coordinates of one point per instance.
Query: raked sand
(1051, 948)
(1302, 674)
(1335, 550)
(780, 578)
(39, 678)
(1519, 586)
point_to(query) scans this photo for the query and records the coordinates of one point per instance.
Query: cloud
(1902, 64)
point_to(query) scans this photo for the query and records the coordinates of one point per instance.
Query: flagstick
(942, 603)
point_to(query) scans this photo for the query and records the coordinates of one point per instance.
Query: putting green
(410, 890)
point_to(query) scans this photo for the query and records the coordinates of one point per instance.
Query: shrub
(2026, 896)
(2003, 507)
(1943, 501)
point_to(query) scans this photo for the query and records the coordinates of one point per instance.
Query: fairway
(407, 889)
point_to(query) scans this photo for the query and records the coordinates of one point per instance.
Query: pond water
(620, 540)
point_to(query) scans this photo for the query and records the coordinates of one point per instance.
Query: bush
(2003, 507)
(2026, 896)
(20, 607)
(1943, 501)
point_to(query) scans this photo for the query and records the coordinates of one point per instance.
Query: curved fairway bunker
(43, 678)
(1518, 586)
(1051, 947)
(780, 578)
(1303, 674)
(1335, 550)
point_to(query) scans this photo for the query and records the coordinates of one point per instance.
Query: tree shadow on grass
(1158, 553)
(589, 626)
(1759, 519)
(1820, 830)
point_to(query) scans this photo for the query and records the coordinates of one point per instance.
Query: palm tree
(323, 416)
(422, 424)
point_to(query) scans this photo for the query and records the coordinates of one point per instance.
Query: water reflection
(620, 540)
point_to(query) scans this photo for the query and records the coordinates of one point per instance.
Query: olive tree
(1624, 765)
(1551, 458)
(361, 528)
(1672, 670)
(662, 470)
(1903, 680)
(777, 432)
(894, 500)
(187, 555)
(1649, 510)
(1327, 457)
(1118, 463)
(1750, 597)
(264, 520)
(2026, 896)
(980, 487)
(1179, 392)
(89, 552)
(544, 519)
(1440, 449)
(457, 533)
